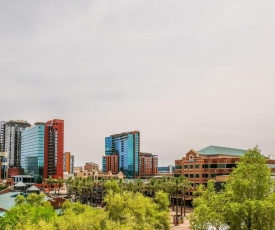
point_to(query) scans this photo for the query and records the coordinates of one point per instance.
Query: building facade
(200, 166)
(3, 166)
(32, 150)
(11, 140)
(54, 149)
(68, 163)
(110, 164)
(166, 169)
(127, 147)
(91, 166)
(148, 164)
(211, 162)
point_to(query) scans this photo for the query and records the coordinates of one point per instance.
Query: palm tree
(69, 185)
(50, 182)
(184, 186)
(139, 186)
(153, 186)
(59, 182)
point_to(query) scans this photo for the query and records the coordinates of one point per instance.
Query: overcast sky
(186, 74)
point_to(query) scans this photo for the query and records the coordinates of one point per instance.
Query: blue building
(127, 147)
(32, 150)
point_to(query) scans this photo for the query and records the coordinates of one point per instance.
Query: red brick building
(91, 166)
(148, 164)
(54, 149)
(209, 163)
(112, 164)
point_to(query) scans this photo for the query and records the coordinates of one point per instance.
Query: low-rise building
(209, 163)
(91, 166)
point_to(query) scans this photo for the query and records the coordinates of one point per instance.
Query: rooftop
(7, 200)
(217, 150)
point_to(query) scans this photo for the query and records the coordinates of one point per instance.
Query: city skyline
(185, 74)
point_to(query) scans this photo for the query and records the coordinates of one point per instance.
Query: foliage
(142, 212)
(3, 186)
(247, 201)
(28, 210)
(125, 210)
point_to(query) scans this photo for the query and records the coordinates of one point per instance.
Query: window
(197, 175)
(191, 175)
(197, 166)
(191, 166)
(186, 166)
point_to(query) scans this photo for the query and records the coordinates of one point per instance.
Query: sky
(186, 74)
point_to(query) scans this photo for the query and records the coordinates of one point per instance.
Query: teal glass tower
(127, 147)
(32, 150)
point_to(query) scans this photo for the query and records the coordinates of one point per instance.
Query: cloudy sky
(186, 74)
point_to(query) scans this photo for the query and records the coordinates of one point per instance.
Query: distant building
(91, 166)
(166, 169)
(68, 163)
(10, 139)
(148, 164)
(78, 168)
(98, 175)
(32, 150)
(3, 166)
(54, 149)
(127, 147)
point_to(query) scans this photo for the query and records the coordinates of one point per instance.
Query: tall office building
(11, 140)
(3, 165)
(54, 149)
(32, 150)
(68, 163)
(127, 147)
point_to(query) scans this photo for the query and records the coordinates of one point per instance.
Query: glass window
(191, 166)
(197, 166)
(186, 166)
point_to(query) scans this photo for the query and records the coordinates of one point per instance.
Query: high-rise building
(148, 164)
(68, 163)
(54, 149)
(3, 165)
(32, 150)
(127, 147)
(11, 140)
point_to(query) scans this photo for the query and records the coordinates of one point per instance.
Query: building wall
(148, 164)
(54, 149)
(67, 162)
(71, 164)
(32, 151)
(91, 166)
(111, 164)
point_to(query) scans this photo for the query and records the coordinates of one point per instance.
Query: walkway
(185, 225)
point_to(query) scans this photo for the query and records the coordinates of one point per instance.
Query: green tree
(28, 211)
(247, 201)
(141, 211)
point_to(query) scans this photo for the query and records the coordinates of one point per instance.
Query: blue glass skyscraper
(127, 147)
(32, 150)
